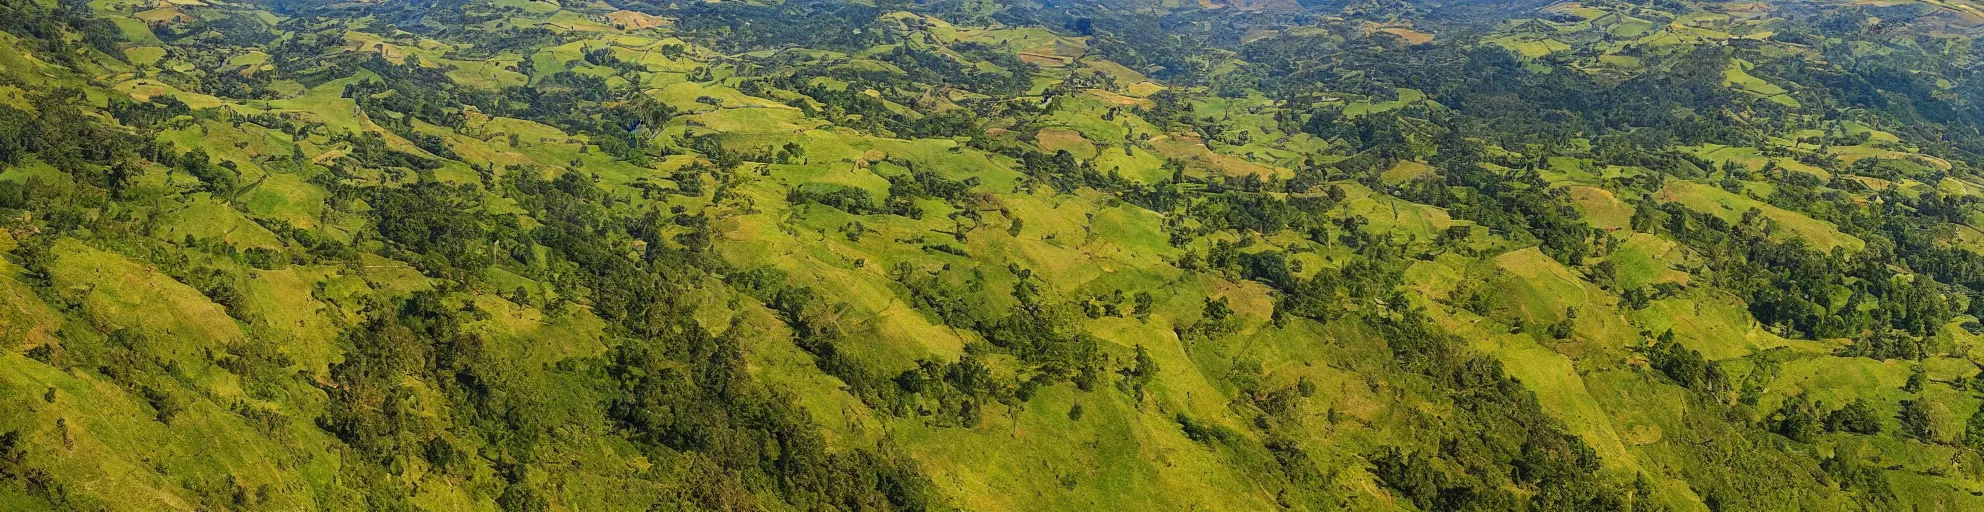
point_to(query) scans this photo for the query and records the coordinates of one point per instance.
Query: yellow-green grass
(1062, 139)
(1836, 381)
(1851, 154)
(1116, 457)
(109, 442)
(1646, 260)
(1130, 239)
(1554, 377)
(246, 145)
(566, 20)
(1125, 454)
(1752, 160)
(144, 55)
(1052, 243)
(178, 322)
(1620, 61)
(1738, 77)
(392, 277)
(1601, 208)
(1405, 97)
(551, 60)
(944, 156)
(207, 218)
(25, 321)
(1391, 214)
(32, 169)
(246, 62)
(1968, 238)
(530, 337)
(1715, 323)
(287, 197)
(683, 95)
(1123, 75)
(774, 359)
(1133, 162)
(18, 63)
(1538, 290)
(1028, 39)
(844, 174)
(817, 255)
(144, 89)
(1530, 46)
(1144, 88)
(1411, 36)
(136, 31)
(1085, 113)
(281, 301)
(1856, 128)
(1196, 156)
(326, 103)
(1730, 207)
(494, 73)
(1643, 411)
(1630, 28)
(776, 122)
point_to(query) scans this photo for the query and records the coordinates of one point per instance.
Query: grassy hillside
(503, 255)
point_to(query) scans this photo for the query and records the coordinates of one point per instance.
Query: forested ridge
(964, 255)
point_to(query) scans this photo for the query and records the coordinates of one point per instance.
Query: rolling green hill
(962, 255)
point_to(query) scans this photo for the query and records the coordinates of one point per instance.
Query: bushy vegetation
(956, 255)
